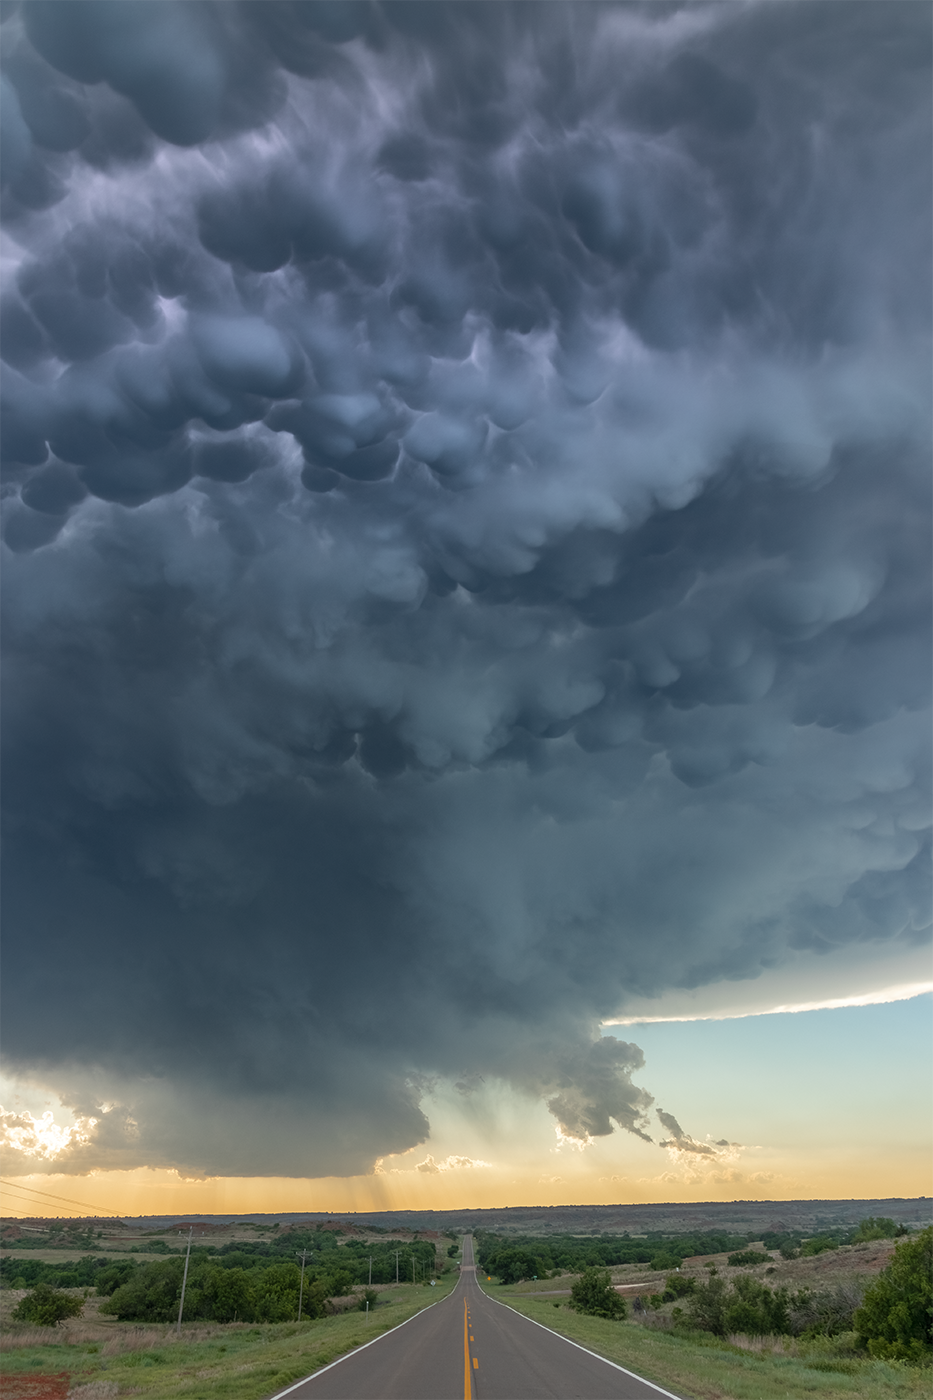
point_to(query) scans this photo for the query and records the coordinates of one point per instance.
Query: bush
(818, 1245)
(748, 1307)
(150, 1295)
(707, 1307)
(895, 1321)
(755, 1309)
(876, 1227)
(47, 1306)
(677, 1286)
(369, 1296)
(594, 1294)
(825, 1314)
(748, 1256)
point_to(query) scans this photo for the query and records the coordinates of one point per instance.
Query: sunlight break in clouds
(879, 998)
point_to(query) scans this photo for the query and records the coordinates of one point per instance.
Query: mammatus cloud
(466, 544)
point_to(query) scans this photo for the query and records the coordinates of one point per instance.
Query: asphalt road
(468, 1347)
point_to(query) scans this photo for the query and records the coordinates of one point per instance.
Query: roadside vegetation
(105, 1359)
(107, 1319)
(734, 1336)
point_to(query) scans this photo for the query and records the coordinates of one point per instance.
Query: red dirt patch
(36, 1387)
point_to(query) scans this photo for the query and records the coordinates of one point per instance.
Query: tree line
(516, 1257)
(250, 1283)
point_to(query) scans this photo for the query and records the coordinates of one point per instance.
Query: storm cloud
(466, 537)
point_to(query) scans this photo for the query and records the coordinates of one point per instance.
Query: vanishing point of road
(467, 1345)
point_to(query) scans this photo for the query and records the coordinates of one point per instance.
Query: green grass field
(236, 1361)
(702, 1367)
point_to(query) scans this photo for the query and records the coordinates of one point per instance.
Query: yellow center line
(467, 1380)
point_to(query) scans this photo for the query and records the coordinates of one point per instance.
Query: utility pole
(184, 1280)
(412, 1268)
(370, 1271)
(301, 1287)
(397, 1252)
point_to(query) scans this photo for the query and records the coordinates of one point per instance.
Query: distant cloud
(682, 1143)
(450, 1164)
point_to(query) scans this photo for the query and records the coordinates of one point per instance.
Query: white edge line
(355, 1351)
(634, 1374)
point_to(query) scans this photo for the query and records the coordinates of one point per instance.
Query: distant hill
(671, 1218)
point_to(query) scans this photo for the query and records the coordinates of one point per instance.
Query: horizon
(467, 604)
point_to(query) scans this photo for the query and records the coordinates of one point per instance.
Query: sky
(466, 622)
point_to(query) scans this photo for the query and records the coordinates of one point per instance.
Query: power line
(34, 1191)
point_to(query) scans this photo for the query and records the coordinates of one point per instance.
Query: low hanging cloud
(449, 1164)
(465, 523)
(679, 1141)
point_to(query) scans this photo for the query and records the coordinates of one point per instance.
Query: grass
(700, 1366)
(236, 1361)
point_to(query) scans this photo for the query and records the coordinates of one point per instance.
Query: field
(105, 1359)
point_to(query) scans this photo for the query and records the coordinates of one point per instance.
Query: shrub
(707, 1306)
(748, 1256)
(369, 1295)
(895, 1321)
(876, 1227)
(819, 1245)
(677, 1286)
(825, 1314)
(756, 1309)
(748, 1306)
(47, 1306)
(150, 1295)
(594, 1294)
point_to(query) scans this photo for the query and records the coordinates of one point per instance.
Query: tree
(876, 1227)
(47, 1306)
(755, 1309)
(707, 1305)
(150, 1295)
(895, 1321)
(228, 1294)
(594, 1294)
(513, 1265)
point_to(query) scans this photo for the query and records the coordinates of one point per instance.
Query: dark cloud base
(466, 530)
